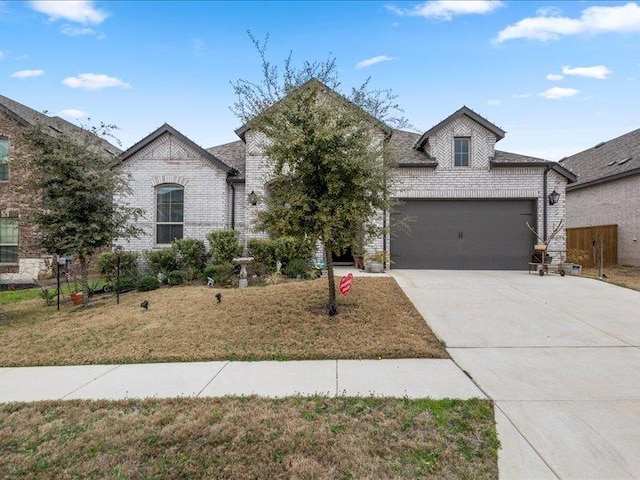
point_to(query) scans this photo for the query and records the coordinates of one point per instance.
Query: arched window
(169, 213)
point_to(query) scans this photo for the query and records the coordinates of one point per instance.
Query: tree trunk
(333, 306)
(84, 280)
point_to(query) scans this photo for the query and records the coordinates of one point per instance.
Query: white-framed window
(461, 149)
(9, 233)
(169, 213)
(4, 159)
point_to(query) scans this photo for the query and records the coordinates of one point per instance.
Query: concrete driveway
(560, 358)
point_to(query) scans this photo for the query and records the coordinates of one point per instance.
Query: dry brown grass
(257, 438)
(624, 276)
(286, 321)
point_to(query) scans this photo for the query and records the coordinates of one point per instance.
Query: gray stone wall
(612, 203)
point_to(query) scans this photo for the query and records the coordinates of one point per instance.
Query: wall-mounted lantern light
(554, 197)
(253, 198)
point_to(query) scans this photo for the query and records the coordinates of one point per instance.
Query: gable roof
(58, 126)
(166, 128)
(314, 82)
(508, 159)
(464, 111)
(606, 161)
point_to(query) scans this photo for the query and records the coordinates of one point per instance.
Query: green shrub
(190, 256)
(147, 283)
(268, 251)
(224, 245)
(176, 277)
(161, 261)
(107, 264)
(222, 273)
(263, 251)
(126, 284)
(48, 295)
(295, 267)
(290, 248)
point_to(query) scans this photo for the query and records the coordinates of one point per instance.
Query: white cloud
(549, 11)
(77, 31)
(79, 11)
(93, 81)
(1, 55)
(73, 114)
(554, 77)
(521, 95)
(494, 103)
(598, 71)
(447, 9)
(593, 20)
(372, 61)
(27, 73)
(559, 92)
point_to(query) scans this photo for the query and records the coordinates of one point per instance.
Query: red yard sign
(345, 284)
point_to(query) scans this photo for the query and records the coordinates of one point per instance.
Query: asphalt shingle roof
(233, 154)
(56, 124)
(607, 159)
(401, 148)
(508, 157)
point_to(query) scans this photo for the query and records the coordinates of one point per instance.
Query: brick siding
(612, 203)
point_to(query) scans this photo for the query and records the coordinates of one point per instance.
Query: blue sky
(559, 77)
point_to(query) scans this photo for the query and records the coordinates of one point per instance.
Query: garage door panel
(463, 234)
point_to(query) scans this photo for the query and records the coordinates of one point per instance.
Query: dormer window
(461, 151)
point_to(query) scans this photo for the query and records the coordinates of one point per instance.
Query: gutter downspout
(544, 203)
(233, 206)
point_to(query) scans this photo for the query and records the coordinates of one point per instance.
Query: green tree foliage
(331, 170)
(75, 178)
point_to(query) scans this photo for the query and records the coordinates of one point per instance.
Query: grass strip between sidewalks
(249, 437)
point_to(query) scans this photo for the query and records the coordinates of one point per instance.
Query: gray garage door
(463, 234)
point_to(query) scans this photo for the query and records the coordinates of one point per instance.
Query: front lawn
(250, 437)
(281, 322)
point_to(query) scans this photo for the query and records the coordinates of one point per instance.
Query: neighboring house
(468, 204)
(18, 253)
(607, 191)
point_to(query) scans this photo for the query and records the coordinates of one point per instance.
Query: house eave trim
(609, 178)
(571, 177)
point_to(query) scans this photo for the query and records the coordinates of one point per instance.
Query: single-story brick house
(607, 191)
(469, 203)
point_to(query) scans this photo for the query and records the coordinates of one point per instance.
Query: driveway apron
(560, 357)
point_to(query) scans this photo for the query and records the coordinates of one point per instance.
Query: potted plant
(76, 295)
(374, 262)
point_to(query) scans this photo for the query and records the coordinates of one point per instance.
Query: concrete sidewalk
(411, 378)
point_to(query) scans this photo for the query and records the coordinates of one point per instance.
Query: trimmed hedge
(147, 283)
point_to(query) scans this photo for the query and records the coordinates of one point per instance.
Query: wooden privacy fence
(587, 240)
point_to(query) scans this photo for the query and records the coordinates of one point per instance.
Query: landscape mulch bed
(279, 322)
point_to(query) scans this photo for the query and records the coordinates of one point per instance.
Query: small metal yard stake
(118, 251)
